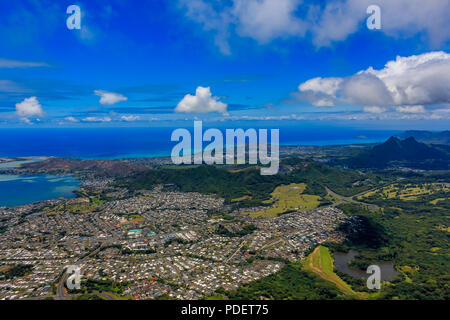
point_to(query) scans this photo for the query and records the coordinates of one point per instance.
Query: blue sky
(240, 61)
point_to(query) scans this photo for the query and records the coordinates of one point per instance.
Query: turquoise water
(18, 190)
(16, 164)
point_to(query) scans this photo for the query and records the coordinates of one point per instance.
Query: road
(105, 296)
(60, 292)
(350, 199)
(239, 248)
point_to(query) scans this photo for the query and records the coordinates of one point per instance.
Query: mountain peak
(407, 151)
(410, 139)
(431, 137)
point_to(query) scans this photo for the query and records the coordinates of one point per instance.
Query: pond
(341, 260)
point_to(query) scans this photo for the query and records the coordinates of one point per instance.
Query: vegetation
(408, 153)
(175, 240)
(365, 232)
(79, 205)
(146, 251)
(410, 228)
(409, 192)
(88, 297)
(15, 271)
(223, 231)
(413, 234)
(290, 283)
(288, 198)
(91, 286)
(321, 262)
(247, 188)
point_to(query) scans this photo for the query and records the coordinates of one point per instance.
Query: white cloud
(6, 63)
(203, 12)
(325, 85)
(374, 109)
(442, 111)
(268, 19)
(323, 88)
(109, 98)
(399, 18)
(364, 89)
(130, 118)
(263, 118)
(97, 119)
(71, 119)
(265, 20)
(202, 102)
(30, 107)
(262, 20)
(336, 20)
(407, 81)
(411, 109)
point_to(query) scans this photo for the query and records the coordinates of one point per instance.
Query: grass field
(435, 201)
(287, 198)
(241, 198)
(321, 262)
(408, 192)
(77, 205)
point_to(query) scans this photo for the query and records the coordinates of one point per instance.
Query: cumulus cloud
(97, 119)
(71, 119)
(320, 92)
(262, 20)
(411, 109)
(130, 118)
(268, 19)
(263, 118)
(202, 102)
(374, 109)
(327, 86)
(407, 82)
(30, 107)
(110, 98)
(204, 13)
(265, 20)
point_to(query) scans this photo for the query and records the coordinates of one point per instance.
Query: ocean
(113, 143)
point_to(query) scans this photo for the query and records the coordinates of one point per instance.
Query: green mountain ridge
(403, 153)
(442, 137)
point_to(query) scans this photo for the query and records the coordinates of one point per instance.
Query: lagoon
(18, 190)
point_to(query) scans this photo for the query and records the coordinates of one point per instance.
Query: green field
(286, 198)
(321, 262)
(408, 192)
